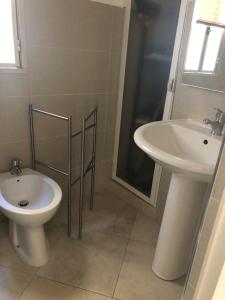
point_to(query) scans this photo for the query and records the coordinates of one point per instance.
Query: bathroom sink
(190, 152)
(183, 146)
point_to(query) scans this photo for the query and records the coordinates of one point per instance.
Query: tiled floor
(113, 261)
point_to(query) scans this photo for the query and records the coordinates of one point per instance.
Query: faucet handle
(16, 162)
(219, 110)
(220, 115)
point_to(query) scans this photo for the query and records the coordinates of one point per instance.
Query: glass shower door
(152, 34)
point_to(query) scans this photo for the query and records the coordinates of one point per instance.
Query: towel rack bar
(91, 114)
(68, 174)
(87, 128)
(50, 114)
(94, 139)
(89, 168)
(51, 167)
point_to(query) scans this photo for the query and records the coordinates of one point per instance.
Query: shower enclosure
(151, 38)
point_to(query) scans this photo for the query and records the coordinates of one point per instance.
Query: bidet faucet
(218, 124)
(16, 167)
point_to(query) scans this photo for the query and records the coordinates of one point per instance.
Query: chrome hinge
(172, 85)
(19, 45)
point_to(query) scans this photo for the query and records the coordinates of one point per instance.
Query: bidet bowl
(41, 193)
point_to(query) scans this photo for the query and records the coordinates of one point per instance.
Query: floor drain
(23, 203)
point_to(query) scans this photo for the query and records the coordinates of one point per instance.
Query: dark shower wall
(151, 38)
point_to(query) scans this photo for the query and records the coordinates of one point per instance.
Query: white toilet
(29, 201)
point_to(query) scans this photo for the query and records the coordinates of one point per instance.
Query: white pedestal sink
(188, 150)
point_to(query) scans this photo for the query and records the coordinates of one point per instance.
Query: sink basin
(190, 152)
(183, 146)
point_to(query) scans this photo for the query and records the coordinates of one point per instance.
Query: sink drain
(23, 203)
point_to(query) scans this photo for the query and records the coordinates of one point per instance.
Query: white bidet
(29, 201)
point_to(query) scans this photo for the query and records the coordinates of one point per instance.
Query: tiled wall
(72, 51)
(192, 102)
(210, 216)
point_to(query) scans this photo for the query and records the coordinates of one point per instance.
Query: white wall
(219, 293)
(195, 102)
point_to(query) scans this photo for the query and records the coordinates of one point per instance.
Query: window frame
(200, 71)
(17, 41)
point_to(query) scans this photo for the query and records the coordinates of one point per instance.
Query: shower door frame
(152, 199)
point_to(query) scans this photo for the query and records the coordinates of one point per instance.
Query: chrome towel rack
(83, 171)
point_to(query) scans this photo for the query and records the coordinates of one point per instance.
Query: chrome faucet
(218, 124)
(16, 167)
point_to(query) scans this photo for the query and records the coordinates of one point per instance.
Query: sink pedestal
(179, 226)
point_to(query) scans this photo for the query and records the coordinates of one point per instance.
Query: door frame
(213, 268)
(168, 102)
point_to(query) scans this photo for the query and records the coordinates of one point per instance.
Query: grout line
(40, 138)
(18, 271)
(71, 285)
(14, 270)
(15, 142)
(29, 95)
(69, 49)
(98, 51)
(123, 259)
(17, 97)
(129, 237)
(27, 285)
(32, 276)
(144, 243)
(106, 93)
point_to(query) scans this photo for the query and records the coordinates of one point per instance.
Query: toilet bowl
(29, 201)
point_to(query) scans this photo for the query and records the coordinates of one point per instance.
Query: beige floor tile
(145, 230)
(108, 201)
(138, 282)
(8, 256)
(92, 263)
(12, 283)
(111, 215)
(189, 293)
(42, 289)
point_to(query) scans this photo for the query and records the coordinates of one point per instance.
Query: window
(203, 48)
(9, 38)
(204, 42)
